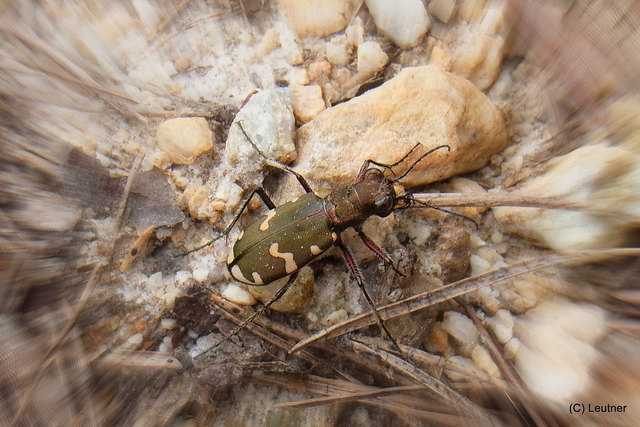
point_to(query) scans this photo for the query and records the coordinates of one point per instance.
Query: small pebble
(238, 295)
(462, 329)
(335, 317)
(371, 58)
(483, 361)
(314, 17)
(479, 265)
(182, 140)
(336, 51)
(307, 102)
(405, 22)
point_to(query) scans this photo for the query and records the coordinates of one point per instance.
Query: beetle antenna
(419, 160)
(411, 202)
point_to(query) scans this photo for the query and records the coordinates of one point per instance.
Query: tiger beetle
(289, 237)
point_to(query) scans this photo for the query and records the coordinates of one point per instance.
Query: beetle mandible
(291, 236)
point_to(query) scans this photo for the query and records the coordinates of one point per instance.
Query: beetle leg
(275, 164)
(265, 198)
(380, 253)
(357, 274)
(367, 163)
(257, 313)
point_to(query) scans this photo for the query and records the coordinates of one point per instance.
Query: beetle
(290, 236)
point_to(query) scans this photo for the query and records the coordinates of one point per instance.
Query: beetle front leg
(357, 274)
(274, 164)
(257, 313)
(380, 253)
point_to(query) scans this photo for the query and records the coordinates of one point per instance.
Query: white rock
(442, 9)
(336, 51)
(268, 120)
(238, 294)
(355, 32)
(317, 17)
(479, 265)
(168, 323)
(501, 325)
(483, 361)
(461, 328)
(557, 348)
(371, 58)
(403, 21)
(477, 57)
(182, 140)
(200, 274)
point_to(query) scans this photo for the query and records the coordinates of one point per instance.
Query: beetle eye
(384, 205)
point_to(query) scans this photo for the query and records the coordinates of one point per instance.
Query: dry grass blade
(421, 357)
(461, 287)
(443, 391)
(442, 200)
(348, 397)
(67, 71)
(405, 401)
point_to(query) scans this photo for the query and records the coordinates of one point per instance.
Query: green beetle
(288, 237)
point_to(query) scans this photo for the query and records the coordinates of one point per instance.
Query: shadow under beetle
(289, 237)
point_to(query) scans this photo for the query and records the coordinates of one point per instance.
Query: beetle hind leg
(357, 274)
(257, 313)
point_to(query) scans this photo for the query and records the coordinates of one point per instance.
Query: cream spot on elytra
(289, 264)
(257, 279)
(315, 250)
(237, 274)
(265, 224)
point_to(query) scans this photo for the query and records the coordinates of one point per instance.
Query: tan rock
(317, 17)
(307, 102)
(182, 140)
(423, 104)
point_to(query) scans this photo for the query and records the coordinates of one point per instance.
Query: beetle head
(376, 193)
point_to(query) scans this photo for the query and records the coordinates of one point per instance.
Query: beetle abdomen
(282, 241)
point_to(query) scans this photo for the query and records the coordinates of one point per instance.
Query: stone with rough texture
(371, 58)
(307, 101)
(423, 104)
(182, 140)
(405, 22)
(317, 17)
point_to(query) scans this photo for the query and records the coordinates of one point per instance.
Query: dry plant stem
(514, 199)
(462, 287)
(225, 309)
(86, 293)
(407, 406)
(508, 371)
(446, 393)
(349, 397)
(421, 357)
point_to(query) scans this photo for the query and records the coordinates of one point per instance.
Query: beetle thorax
(351, 205)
